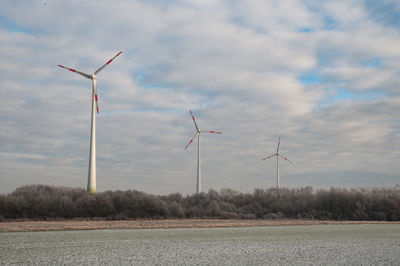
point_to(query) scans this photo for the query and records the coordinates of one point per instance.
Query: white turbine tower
(91, 187)
(277, 154)
(198, 131)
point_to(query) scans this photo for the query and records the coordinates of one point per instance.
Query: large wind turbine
(277, 154)
(91, 187)
(198, 131)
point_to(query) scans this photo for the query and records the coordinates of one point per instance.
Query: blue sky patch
(384, 12)
(306, 30)
(372, 63)
(310, 78)
(11, 26)
(330, 23)
(344, 95)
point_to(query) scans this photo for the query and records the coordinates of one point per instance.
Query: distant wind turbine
(91, 187)
(277, 154)
(198, 131)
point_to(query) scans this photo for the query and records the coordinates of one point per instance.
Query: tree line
(42, 202)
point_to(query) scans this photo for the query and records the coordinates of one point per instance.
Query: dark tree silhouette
(41, 202)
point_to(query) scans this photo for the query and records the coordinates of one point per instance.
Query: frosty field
(372, 244)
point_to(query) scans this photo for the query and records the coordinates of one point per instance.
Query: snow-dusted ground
(364, 244)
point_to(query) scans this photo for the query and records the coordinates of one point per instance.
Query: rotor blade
(76, 71)
(215, 132)
(108, 62)
(194, 120)
(279, 143)
(286, 159)
(269, 156)
(97, 103)
(95, 93)
(195, 135)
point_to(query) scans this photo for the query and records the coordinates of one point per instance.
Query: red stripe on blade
(188, 144)
(287, 159)
(70, 69)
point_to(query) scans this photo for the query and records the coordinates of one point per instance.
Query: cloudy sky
(323, 75)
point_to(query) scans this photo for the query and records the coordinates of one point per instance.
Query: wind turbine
(277, 154)
(91, 187)
(198, 131)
